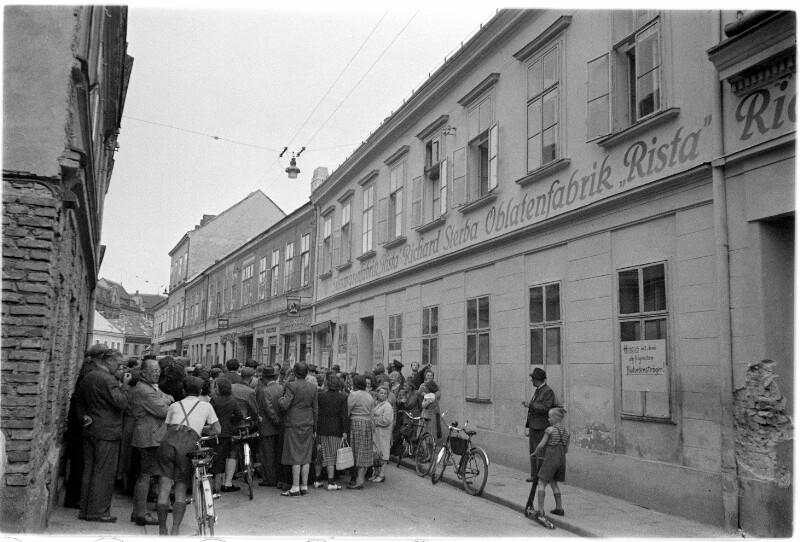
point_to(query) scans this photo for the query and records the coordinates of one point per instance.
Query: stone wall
(45, 312)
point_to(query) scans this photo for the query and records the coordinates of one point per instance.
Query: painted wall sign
(664, 152)
(762, 114)
(644, 366)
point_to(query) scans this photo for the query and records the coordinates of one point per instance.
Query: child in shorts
(555, 443)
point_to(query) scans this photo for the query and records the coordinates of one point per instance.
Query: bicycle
(418, 444)
(202, 492)
(473, 466)
(245, 432)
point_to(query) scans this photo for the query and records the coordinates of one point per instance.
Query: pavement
(588, 514)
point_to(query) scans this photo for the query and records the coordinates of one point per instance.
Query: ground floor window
(478, 371)
(643, 334)
(396, 337)
(430, 336)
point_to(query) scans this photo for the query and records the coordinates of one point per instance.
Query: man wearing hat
(538, 408)
(270, 427)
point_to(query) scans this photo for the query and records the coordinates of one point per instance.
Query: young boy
(556, 443)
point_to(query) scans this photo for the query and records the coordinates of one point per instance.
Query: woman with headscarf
(300, 406)
(383, 420)
(359, 407)
(333, 425)
(430, 408)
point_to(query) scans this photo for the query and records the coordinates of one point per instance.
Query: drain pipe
(730, 482)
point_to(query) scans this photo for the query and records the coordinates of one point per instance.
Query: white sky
(253, 75)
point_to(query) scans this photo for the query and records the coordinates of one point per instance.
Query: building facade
(213, 237)
(255, 302)
(65, 75)
(554, 196)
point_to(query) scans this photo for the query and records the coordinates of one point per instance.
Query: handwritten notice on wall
(644, 365)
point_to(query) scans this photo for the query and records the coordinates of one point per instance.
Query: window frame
(346, 232)
(274, 272)
(288, 266)
(395, 335)
(327, 243)
(538, 95)
(305, 259)
(397, 182)
(368, 203)
(477, 332)
(247, 283)
(546, 324)
(429, 337)
(640, 317)
(262, 277)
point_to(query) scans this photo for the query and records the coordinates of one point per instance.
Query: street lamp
(292, 171)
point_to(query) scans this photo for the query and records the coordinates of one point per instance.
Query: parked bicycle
(202, 492)
(417, 443)
(473, 466)
(246, 432)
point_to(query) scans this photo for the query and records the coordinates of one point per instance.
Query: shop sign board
(644, 365)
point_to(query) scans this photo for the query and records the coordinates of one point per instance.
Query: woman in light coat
(383, 420)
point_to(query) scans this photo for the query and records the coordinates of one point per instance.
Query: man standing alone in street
(100, 407)
(149, 408)
(540, 404)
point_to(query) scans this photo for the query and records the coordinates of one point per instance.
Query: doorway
(365, 349)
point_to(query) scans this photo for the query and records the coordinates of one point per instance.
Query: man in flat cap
(540, 404)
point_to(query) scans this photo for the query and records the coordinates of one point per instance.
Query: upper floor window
(327, 243)
(247, 284)
(345, 254)
(544, 90)
(288, 267)
(274, 277)
(435, 185)
(305, 263)
(397, 178)
(482, 148)
(262, 277)
(368, 218)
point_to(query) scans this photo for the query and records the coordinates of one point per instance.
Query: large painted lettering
(765, 110)
(640, 162)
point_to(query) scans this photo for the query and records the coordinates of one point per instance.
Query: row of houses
(607, 195)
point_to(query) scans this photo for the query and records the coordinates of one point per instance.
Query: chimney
(319, 177)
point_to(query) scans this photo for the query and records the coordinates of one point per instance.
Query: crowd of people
(131, 424)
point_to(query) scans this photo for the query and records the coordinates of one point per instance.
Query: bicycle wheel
(423, 454)
(440, 464)
(475, 471)
(248, 468)
(208, 503)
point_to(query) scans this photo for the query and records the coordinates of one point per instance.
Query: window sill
(344, 266)
(632, 131)
(479, 401)
(325, 275)
(396, 242)
(635, 418)
(432, 224)
(366, 256)
(478, 203)
(544, 171)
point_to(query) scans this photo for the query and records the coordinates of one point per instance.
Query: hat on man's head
(312, 368)
(397, 365)
(248, 372)
(96, 350)
(268, 372)
(539, 374)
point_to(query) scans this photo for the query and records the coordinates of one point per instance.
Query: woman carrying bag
(333, 425)
(359, 407)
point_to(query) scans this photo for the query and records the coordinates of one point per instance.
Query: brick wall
(45, 309)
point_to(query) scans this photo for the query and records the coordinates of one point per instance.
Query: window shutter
(346, 241)
(493, 142)
(459, 177)
(597, 97)
(336, 242)
(443, 178)
(383, 221)
(416, 201)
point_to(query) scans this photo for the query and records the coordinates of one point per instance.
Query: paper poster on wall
(644, 365)
(325, 359)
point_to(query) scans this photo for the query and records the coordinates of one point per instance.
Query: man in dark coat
(101, 404)
(270, 427)
(538, 408)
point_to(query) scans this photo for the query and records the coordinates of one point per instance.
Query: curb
(557, 521)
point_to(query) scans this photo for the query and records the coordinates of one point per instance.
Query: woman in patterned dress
(359, 408)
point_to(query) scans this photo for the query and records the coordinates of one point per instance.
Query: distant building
(65, 77)
(104, 332)
(213, 237)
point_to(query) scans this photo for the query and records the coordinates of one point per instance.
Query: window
(435, 181)
(276, 257)
(482, 148)
(247, 284)
(305, 264)
(478, 374)
(544, 88)
(395, 336)
(397, 181)
(367, 219)
(597, 98)
(288, 268)
(219, 298)
(327, 245)
(342, 344)
(346, 238)
(430, 335)
(262, 277)
(544, 320)
(643, 316)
